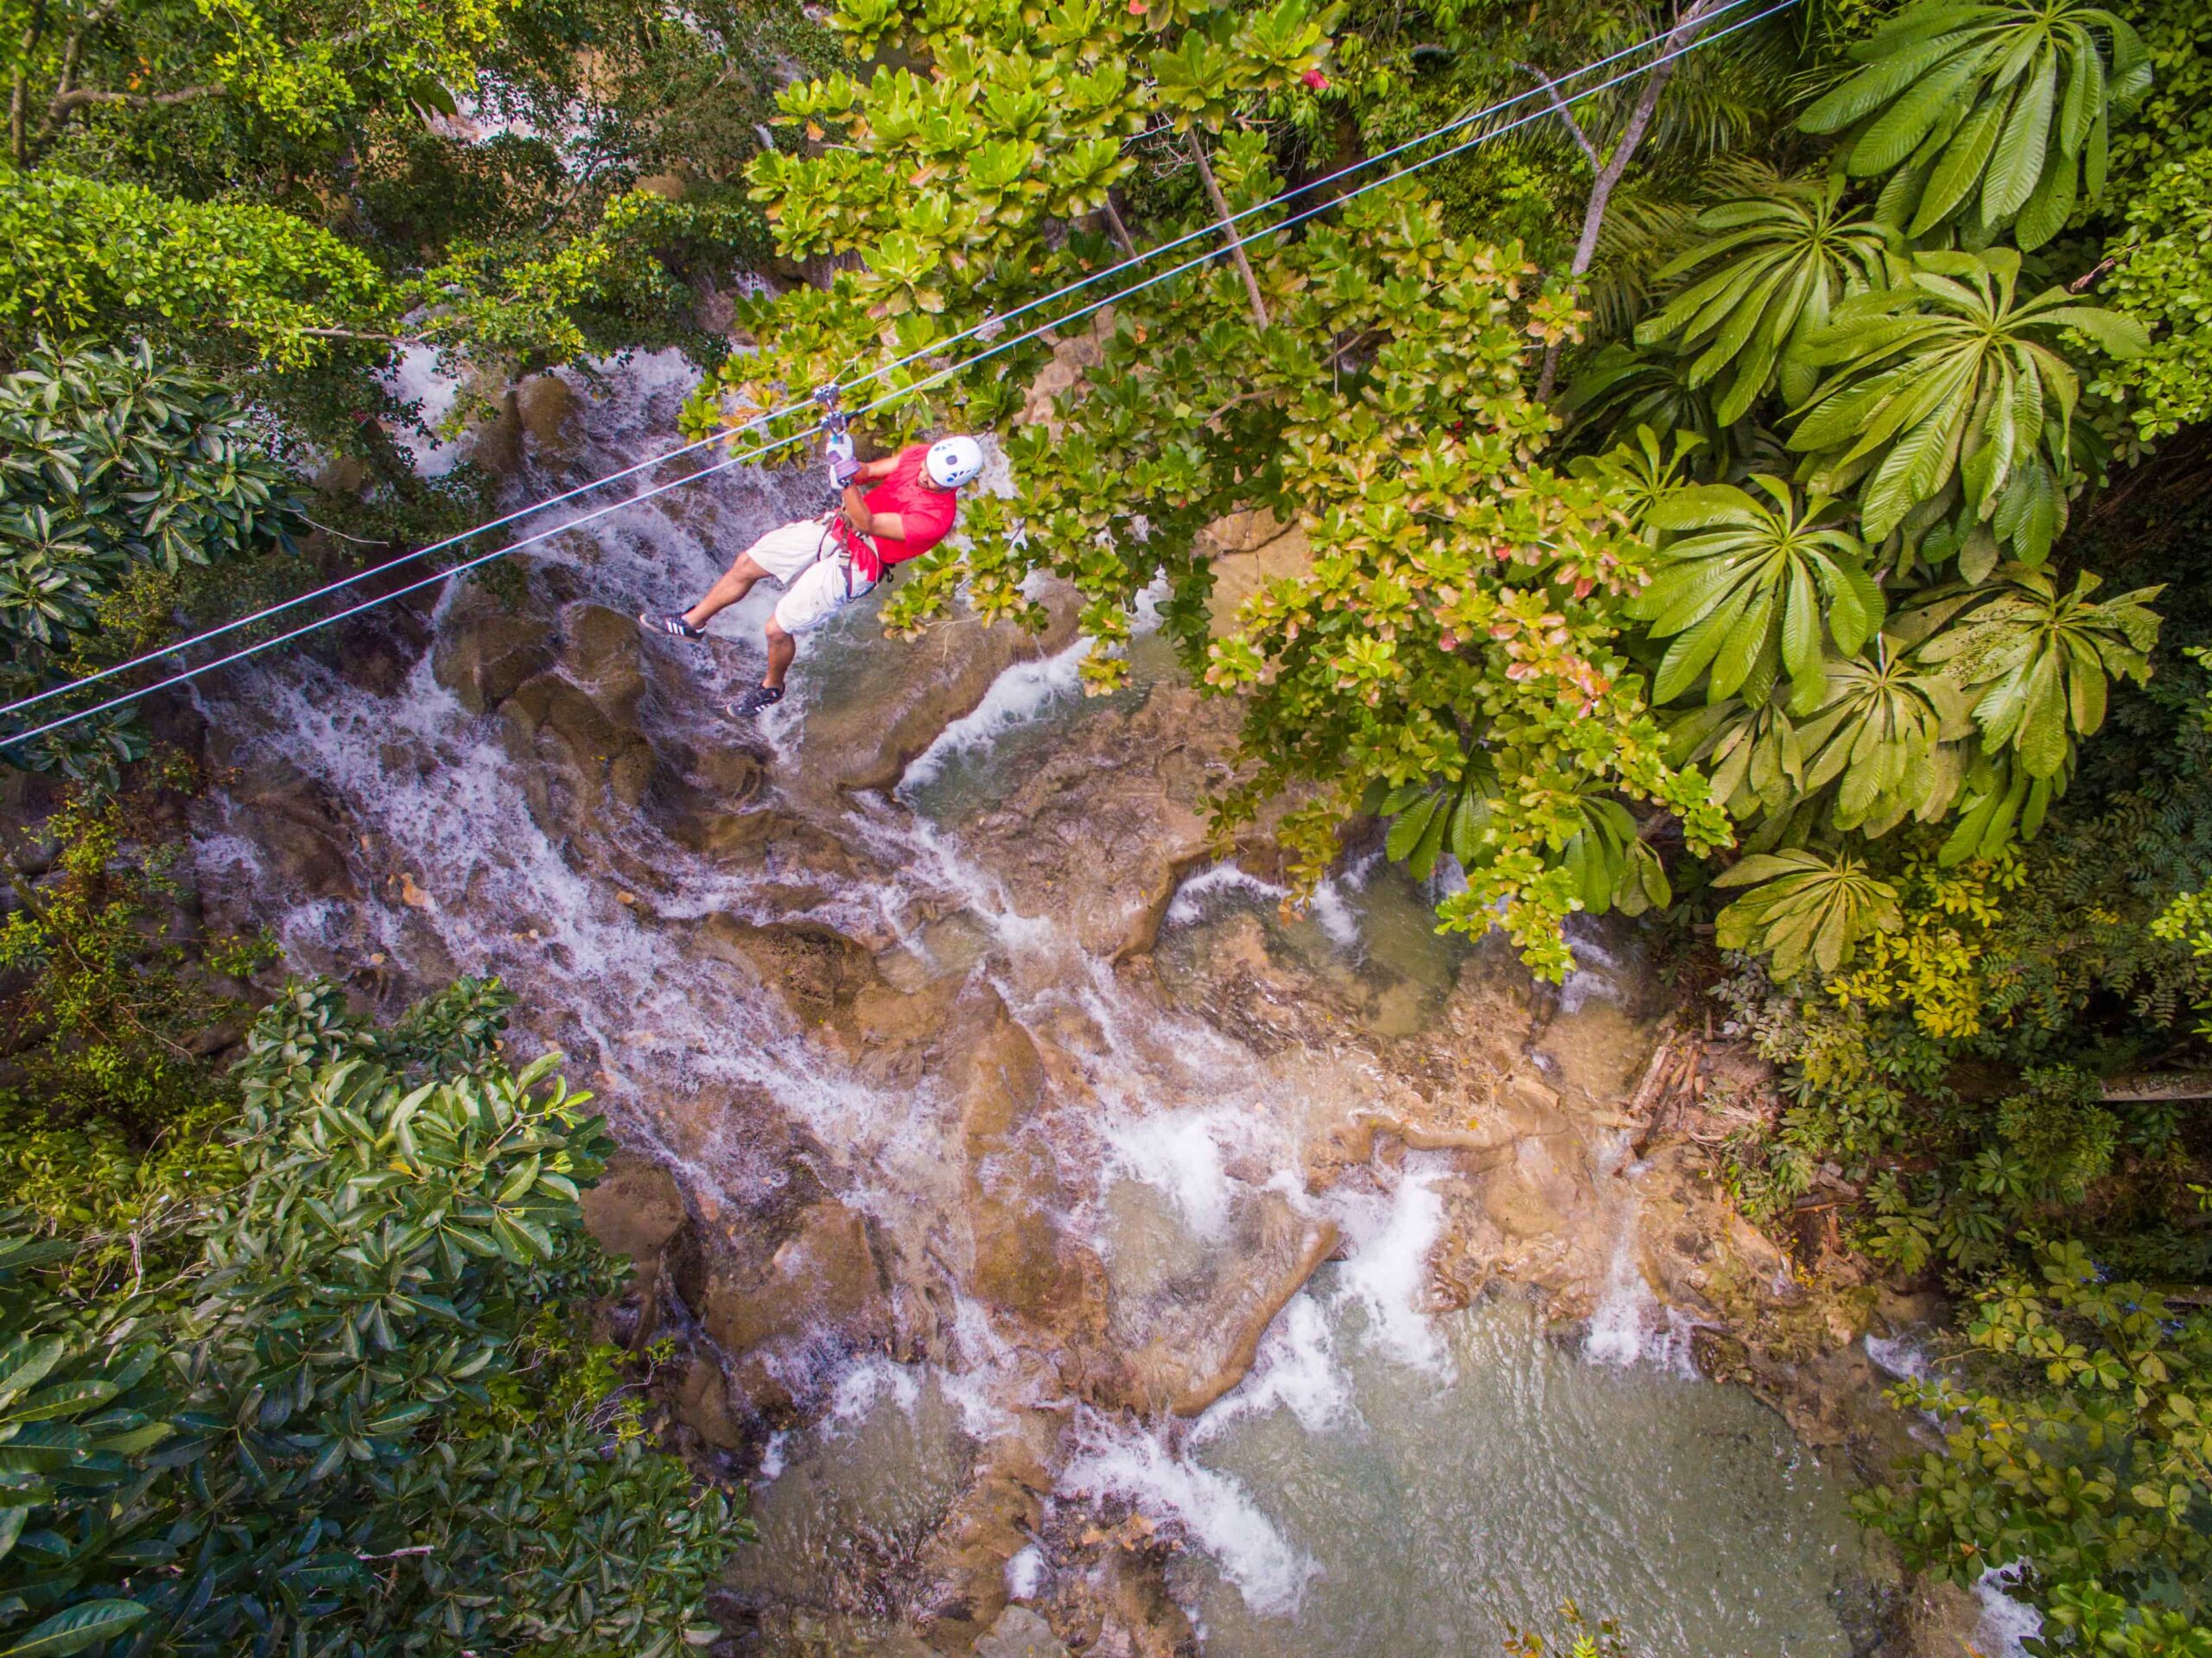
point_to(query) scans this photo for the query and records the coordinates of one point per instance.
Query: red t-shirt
(925, 510)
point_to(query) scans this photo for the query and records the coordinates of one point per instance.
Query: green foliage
(1773, 267)
(2038, 660)
(114, 468)
(1807, 909)
(948, 180)
(1744, 589)
(1885, 738)
(2081, 1447)
(2164, 280)
(300, 67)
(77, 254)
(2188, 921)
(1885, 735)
(2176, 117)
(346, 1424)
(110, 1004)
(1621, 389)
(1994, 116)
(80, 254)
(1947, 391)
(1457, 588)
(2062, 1136)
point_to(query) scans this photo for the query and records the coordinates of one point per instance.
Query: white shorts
(816, 570)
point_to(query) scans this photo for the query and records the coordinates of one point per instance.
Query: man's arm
(865, 522)
(853, 510)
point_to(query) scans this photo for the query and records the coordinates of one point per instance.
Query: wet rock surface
(1018, 1100)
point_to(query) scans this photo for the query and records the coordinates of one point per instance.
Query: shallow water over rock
(1062, 1222)
(1441, 1505)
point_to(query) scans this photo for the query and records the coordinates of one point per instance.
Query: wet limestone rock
(1019, 1633)
(701, 1402)
(299, 829)
(992, 1520)
(817, 971)
(1100, 832)
(893, 697)
(635, 1209)
(577, 729)
(1248, 550)
(483, 659)
(1025, 1265)
(549, 413)
(780, 1321)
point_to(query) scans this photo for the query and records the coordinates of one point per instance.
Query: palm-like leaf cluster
(1776, 266)
(2038, 659)
(1749, 591)
(1891, 739)
(1948, 389)
(1877, 343)
(1996, 114)
(1804, 908)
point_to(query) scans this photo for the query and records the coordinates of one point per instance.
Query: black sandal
(759, 699)
(670, 622)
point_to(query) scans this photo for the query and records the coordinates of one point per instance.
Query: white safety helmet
(953, 460)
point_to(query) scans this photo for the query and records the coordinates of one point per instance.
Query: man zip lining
(825, 563)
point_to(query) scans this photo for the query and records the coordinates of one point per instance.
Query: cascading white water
(1364, 1412)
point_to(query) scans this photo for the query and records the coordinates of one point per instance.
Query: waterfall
(1008, 1110)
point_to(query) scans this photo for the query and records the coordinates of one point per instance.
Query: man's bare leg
(736, 581)
(782, 647)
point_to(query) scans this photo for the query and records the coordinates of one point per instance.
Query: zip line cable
(895, 395)
(935, 348)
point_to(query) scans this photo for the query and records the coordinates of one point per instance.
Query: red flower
(1137, 8)
(1312, 78)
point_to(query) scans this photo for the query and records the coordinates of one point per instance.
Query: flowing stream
(933, 983)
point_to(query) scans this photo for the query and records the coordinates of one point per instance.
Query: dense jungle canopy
(1770, 496)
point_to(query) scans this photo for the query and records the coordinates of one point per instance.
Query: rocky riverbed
(990, 1131)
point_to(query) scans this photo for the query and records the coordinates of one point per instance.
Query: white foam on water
(774, 1457)
(644, 375)
(1021, 696)
(2006, 1624)
(1296, 1371)
(1178, 1152)
(984, 1381)
(1215, 1508)
(934, 856)
(1334, 914)
(870, 1381)
(1195, 895)
(1025, 1572)
(1386, 1273)
(1630, 1325)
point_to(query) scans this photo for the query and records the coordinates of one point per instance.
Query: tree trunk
(1617, 160)
(1228, 229)
(1120, 230)
(19, 89)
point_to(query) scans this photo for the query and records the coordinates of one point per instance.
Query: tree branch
(1615, 163)
(1228, 227)
(1566, 113)
(72, 50)
(1120, 230)
(65, 102)
(19, 86)
(356, 334)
